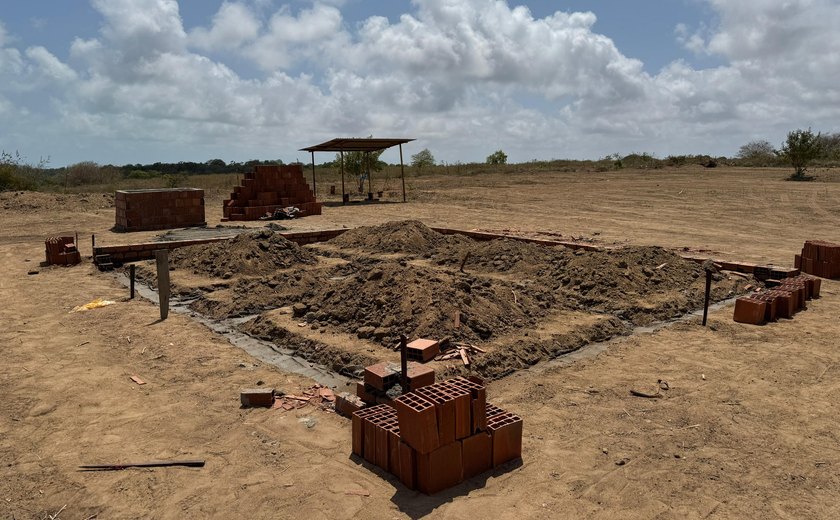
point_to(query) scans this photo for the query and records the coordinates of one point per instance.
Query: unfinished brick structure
(438, 436)
(62, 251)
(819, 259)
(146, 210)
(268, 188)
(786, 298)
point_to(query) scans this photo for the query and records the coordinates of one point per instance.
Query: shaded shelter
(358, 144)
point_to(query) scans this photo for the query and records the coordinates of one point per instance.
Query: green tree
(760, 151)
(497, 157)
(800, 148)
(359, 164)
(422, 159)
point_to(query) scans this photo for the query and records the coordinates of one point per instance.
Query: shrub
(800, 148)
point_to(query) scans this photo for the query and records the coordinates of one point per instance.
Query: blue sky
(126, 81)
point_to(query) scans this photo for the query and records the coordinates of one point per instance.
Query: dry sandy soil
(746, 430)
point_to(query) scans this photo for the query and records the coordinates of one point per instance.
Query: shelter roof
(356, 144)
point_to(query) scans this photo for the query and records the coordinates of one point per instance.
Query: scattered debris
(95, 304)
(151, 464)
(645, 394)
(317, 395)
(137, 380)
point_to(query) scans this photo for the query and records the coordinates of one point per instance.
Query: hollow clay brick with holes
(492, 411)
(478, 394)
(748, 310)
(381, 376)
(423, 350)
(418, 422)
(382, 438)
(357, 423)
(439, 469)
(506, 432)
(392, 426)
(444, 409)
(463, 409)
(408, 466)
(785, 303)
(419, 376)
(476, 454)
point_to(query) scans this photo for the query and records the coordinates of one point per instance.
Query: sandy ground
(746, 430)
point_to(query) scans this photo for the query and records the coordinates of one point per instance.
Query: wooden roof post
(402, 172)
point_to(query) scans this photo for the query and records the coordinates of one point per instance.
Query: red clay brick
(439, 469)
(748, 310)
(423, 350)
(418, 422)
(476, 454)
(358, 419)
(506, 432)
(408, 466)
(444, 409)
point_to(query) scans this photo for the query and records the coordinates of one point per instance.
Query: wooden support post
(370, 183)
(162, 260)
(342, 177)
(404, 363)
(402, 172)
(131, 273)
(708, 294)
(314, 191)
(92, 246)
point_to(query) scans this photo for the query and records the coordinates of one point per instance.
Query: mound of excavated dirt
(385, 299)
(408, 236)
(253, 254)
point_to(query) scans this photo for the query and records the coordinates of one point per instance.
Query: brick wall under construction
(146, 210)
(268, 188)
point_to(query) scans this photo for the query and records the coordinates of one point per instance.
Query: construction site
(631, 344)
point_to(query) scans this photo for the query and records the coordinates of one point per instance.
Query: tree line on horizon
(800, 149)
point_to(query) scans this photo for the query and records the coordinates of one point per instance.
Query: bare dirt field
(747, 428)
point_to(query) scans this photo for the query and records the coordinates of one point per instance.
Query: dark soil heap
(408, 236)
(252, 254)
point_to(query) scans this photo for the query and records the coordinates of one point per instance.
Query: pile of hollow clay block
(439, 435)
(269, 188)
(819, 258)
(783, 300)
(61, 251)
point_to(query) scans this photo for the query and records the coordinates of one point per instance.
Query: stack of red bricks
(381, 377)
(782, 301)
(62, 251)
(268, 188)
(145, 210)
(438, 436)
(819, 259)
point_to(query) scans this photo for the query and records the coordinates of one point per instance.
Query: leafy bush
(497, 157)
(800, 148)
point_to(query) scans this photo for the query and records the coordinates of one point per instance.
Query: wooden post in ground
(162, 260)
(404, 363)
(131, 278)
(708, 294)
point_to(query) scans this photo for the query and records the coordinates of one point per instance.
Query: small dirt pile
(251, 254)
(408, 236)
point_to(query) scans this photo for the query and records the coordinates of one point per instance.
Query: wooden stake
(131, 269)
(708, 294)
(162, 260)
